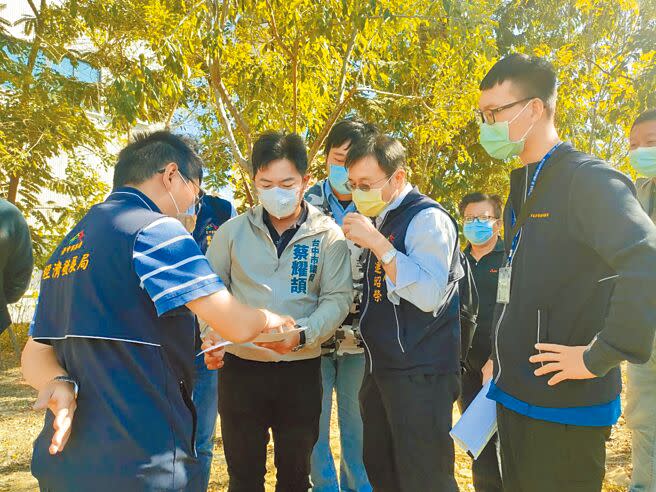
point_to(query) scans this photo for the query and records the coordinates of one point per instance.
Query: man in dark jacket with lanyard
(409, 321)
(112, 343)
(576, 293)
(481, 215)
(213, 211)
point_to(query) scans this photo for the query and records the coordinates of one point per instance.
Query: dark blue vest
(134, 425)
(404, 338)
(214, 211)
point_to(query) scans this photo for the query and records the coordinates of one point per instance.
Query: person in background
(16, 259)
(575, 293)
(410, 321)
(342, 361)
(481, 214)
(212, 212)
(111, 348)
(283, 254)
(640, 411)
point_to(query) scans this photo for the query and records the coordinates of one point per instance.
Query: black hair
(388, 151)
(149, 153)
(534, 76)
(271, 146)
(477, 197)
(649, 115)
(349, 129)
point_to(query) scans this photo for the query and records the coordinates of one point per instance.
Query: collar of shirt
(498, 248)
(339, 212)
(282, 240)
(394, 204)
(135, 196)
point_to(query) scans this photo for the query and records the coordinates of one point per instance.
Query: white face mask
(280, 202)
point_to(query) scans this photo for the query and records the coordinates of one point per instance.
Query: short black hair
(649, 115)
(271, 146)
(534, 76)
(148, 153)
(348, 129)
(388, 151)
(478, 197)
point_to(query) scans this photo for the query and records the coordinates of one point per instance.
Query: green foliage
(230, 69)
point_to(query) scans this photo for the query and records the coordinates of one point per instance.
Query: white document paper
(262, 337)
(478, 424)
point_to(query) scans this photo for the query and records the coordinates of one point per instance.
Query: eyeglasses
(197, 196)
(489, 115)
(366, 187)
(479, 218)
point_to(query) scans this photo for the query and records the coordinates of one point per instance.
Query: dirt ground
(19, 425)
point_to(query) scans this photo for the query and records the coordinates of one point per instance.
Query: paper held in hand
(262, 337)
(477, 425)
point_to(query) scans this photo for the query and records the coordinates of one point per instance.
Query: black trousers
(407, 419)
(257, 396)
(485, 469)
(539, 456)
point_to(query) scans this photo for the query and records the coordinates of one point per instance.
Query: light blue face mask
(338, 177)
(479, 231)
(643, 160)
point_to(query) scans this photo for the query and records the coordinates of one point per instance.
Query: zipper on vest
(398, 329)
(366, 306)
(364, 311)
(538, 339)
(503, 312)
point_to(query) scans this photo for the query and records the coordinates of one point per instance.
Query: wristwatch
(387, 258)
(67, 379)
(301, 343)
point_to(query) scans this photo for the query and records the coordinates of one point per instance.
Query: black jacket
(16, 260)
(584, 273)
(486, 276)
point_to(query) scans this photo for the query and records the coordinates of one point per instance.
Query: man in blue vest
(342, 361)
(213, 211)
(112, 344)
(409, 321)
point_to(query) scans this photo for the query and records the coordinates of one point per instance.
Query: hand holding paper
(478, 424)
(214, 349)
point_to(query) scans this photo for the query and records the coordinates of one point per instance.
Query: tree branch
(384, 93)
(339, 109)
(295, 86)
(14, 179)
(224, 13)
(34, 9)
(218, 102)
(274, 31)
(347, 58)
(216, 82)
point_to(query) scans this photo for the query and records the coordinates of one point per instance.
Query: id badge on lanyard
(503, 288)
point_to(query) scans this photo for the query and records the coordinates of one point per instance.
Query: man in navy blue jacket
(575, 293)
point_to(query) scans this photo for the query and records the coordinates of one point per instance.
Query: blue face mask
(338, 178)
(479, 232)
